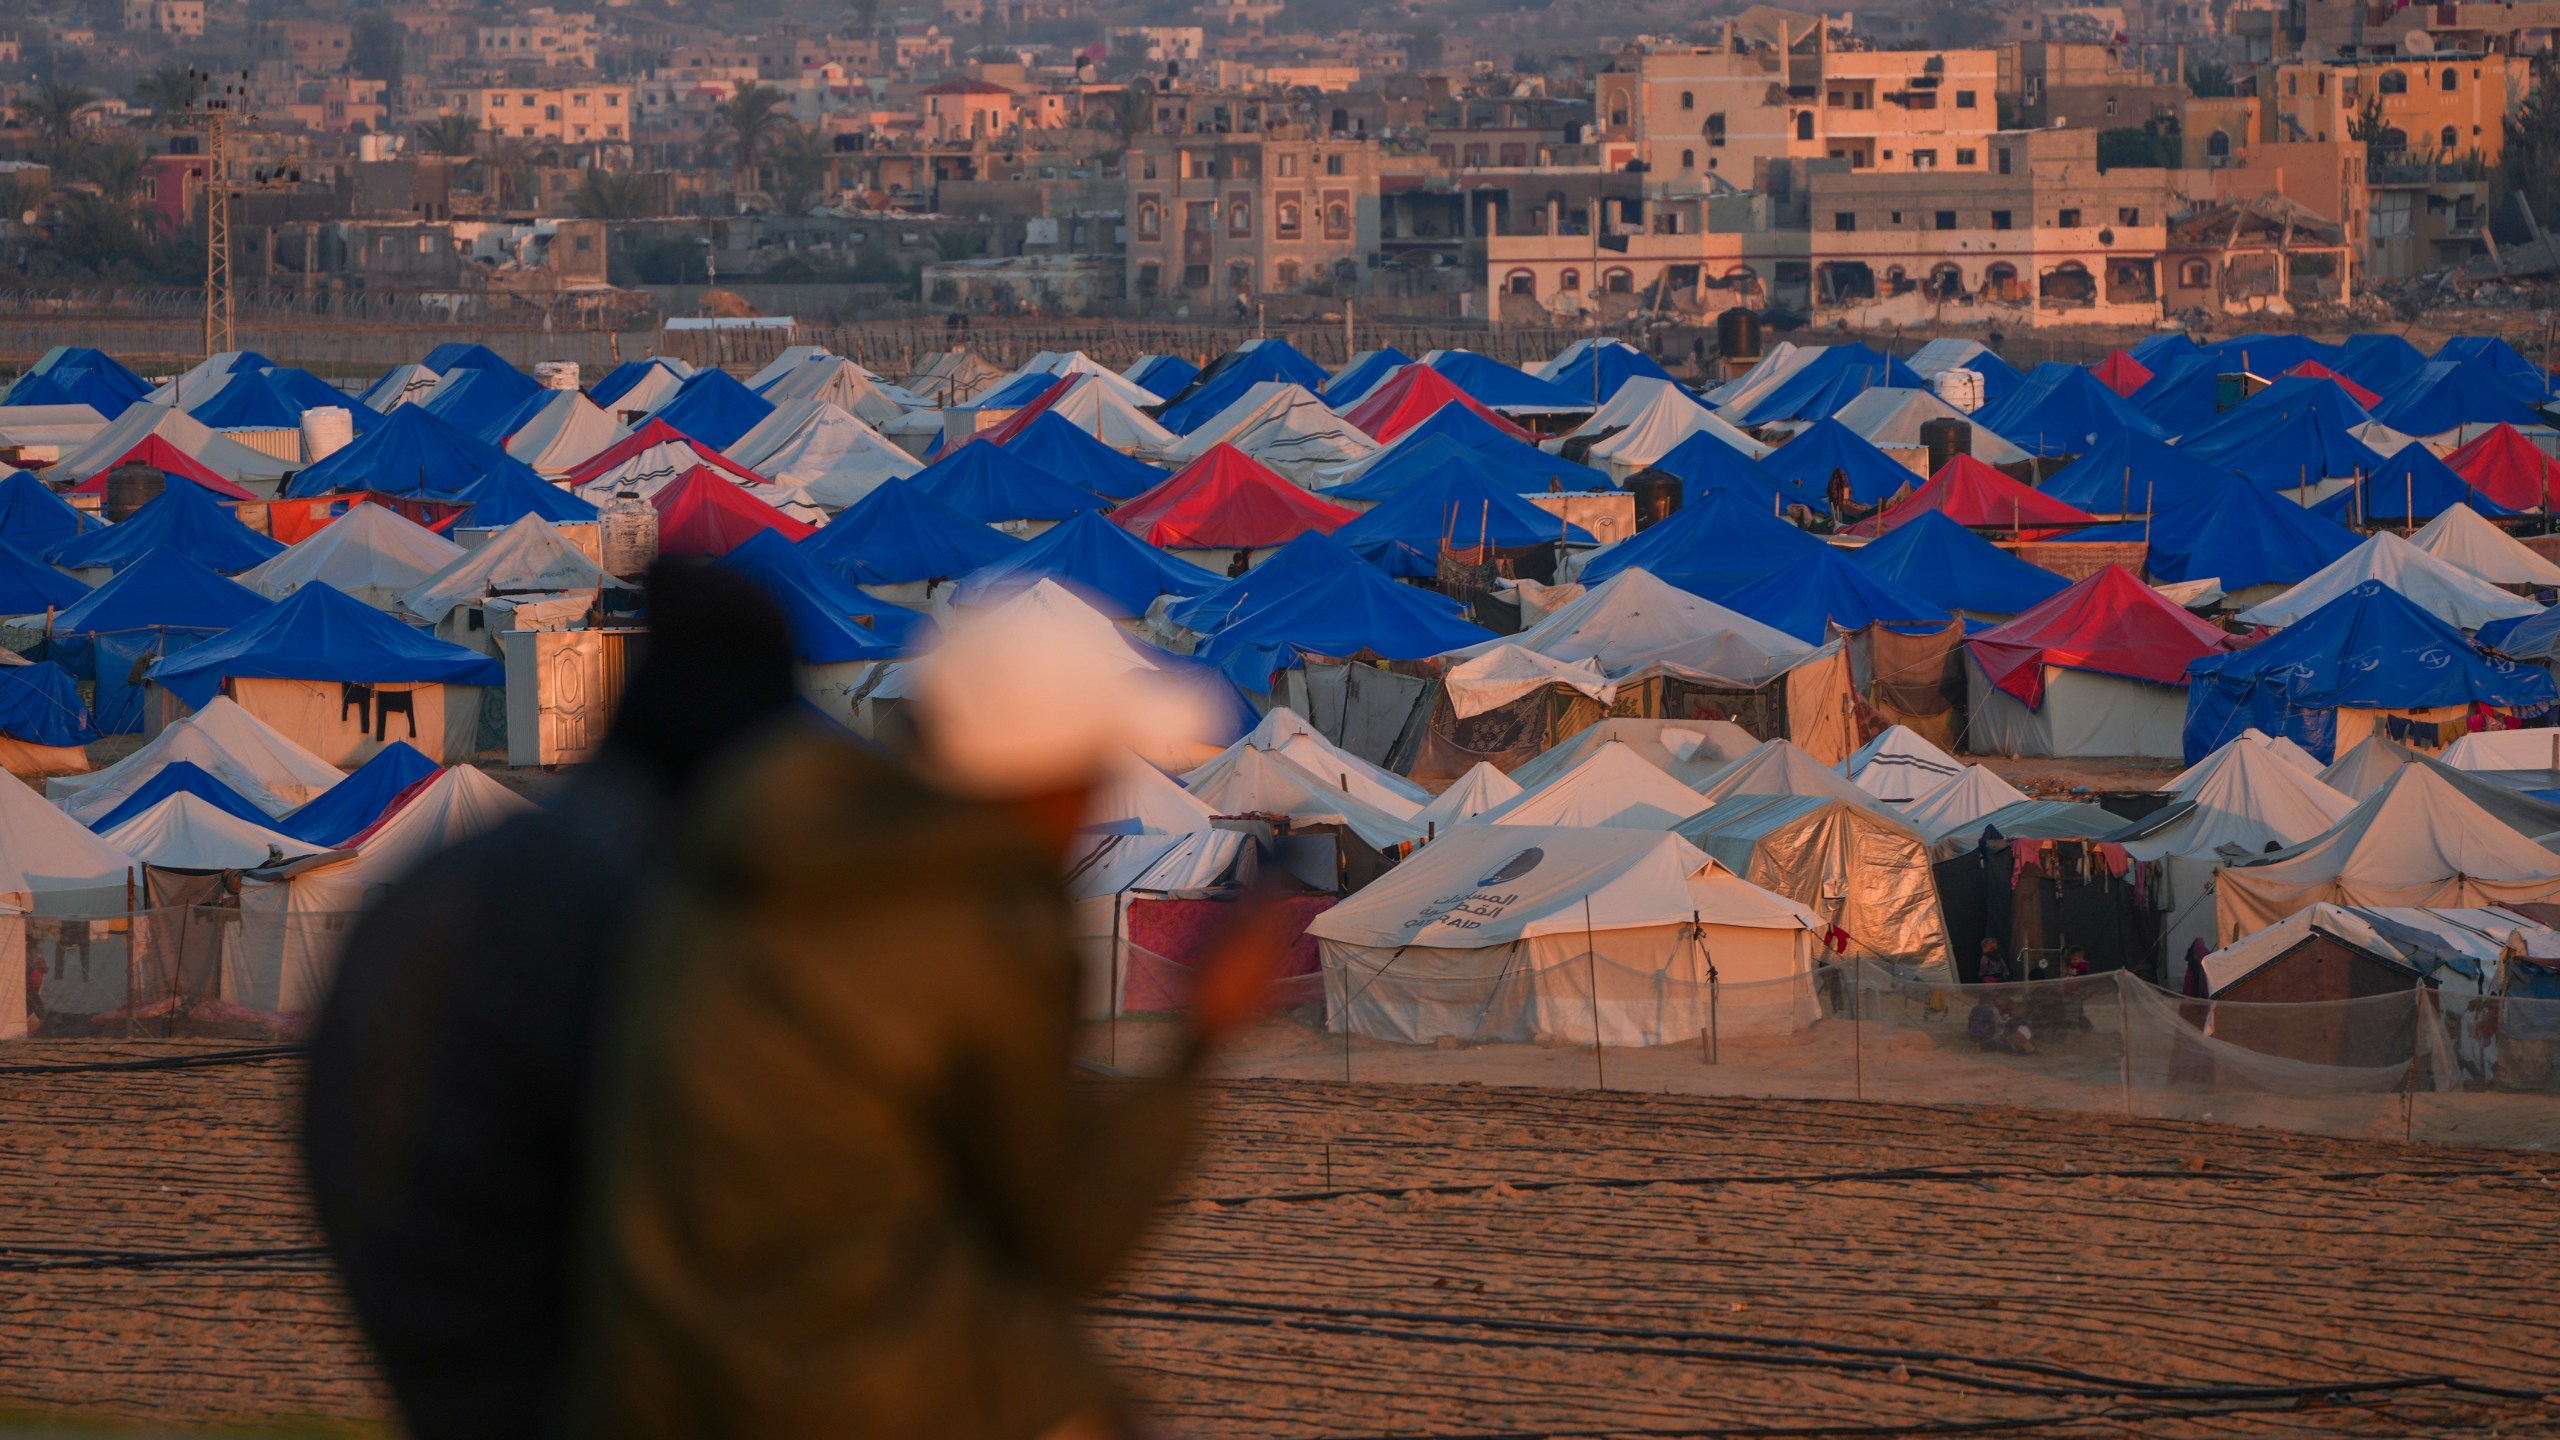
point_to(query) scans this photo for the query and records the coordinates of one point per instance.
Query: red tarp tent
(2508, 468)
(2314, 370)
(1414, 394)
(1976, 496)
(701, 513)
(1227, 500)
(2121, 373)
(1039, 406)
(159, 454)
(656, 432)
(2110, 623)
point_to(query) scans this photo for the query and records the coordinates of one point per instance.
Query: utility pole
(217, 101)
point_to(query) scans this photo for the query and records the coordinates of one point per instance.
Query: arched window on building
(2447, 139)
(1689, 158)
(1520, 282)
(2195, 274)
(2393, 82)
(2448, 78)
(1569, 282)
(2217, 146)
(1804, 125)
(1688, 101)
(1619, 281)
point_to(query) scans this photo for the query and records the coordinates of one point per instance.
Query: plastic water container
(1959, 388)
(627, 534)
(326, 430)
(556, 374)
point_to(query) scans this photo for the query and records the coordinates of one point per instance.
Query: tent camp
(1055, 444)
(252, 758)
(52, 864)
(2460, 538)
(1712, 547)
(362, 800)
(2249, 803)
(836, 381)
(1612, 787)
(413, 453)
(1941, 561)
(1359, 616)
(529, 557)
(714, 407)
(1692, 752)
(905, 544)
(1414, 394)
(2099, 669)
(2247, 538)
(1980, 498)
(986, 483)
(564, 430)
(1225, 502)
(185, 832)
(2412, 485)
(1890, 420)
(2061, 409)
(2284, 750)
(1457, 506)
(371, 552)
(1470, 795)
(2127, 474)
(825, 450)
(1899, 767)
(2508, 468)
(1861, 871)
(1780, 767)
(45, 727)
(1824, 592)
(1960, 805)
(701, 513)
(1599, 368)
(1285, 732)
(1506, 388)
(1162, 376)
(1255, 781)
(1808, 461)
(2443, 590)
(1362, 373)
(188, 444)
(1507, 706)
(1113, 570)
(1646, 420)
(1515, 932)
(1285, 427)
(38, 521)
(183, 518)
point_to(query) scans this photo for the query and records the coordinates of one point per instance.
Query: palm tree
(449, 135)
(956, 244)
(613, 195)
(116, 169)
(510, 163)
(804, 162)
(170, 88)
(749, 116)
(53, 109)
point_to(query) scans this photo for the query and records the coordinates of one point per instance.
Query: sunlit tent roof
(1824, 589)
(1649, 418)
(371, 552)
(639, 384)
(1226, 500)
(2184, 396)
(838, 382)
(457, 803)
(2378, 360)
(50, 861)
(1070, 364)
(1612, 787)
(2450, 594)
(2245, 535)
(321, 634)
(479, 403)
(1890, 420)
(1705, 464)
(244, 752)
(358, 803)
(1718, 544)
(1111, 569)
(1313, 559)
(2121, 373)
(1962, 803)
(397, 386)
(818, 604)
(827, 451)
(649, 457)
(530, 556)
(1253, 781)
(2527, 379)
(1065, 449)
(702, 513)
(1504, 463)
(2313, 369)
(1506, 388)
(2411, 485)
(1229, 376)
(467, 355)
(898, 535)
(986, 483)
(274, 400)
(40, 705)
(2508, 468)
(1634, 618)
(2282, 749)
(1412, 395)
(2267, 353)
(1468, 796)
(1598, 370)
(1900, 766)
(2459, 537)
(409, 452)
(714, 407)
(1285, 427)
(2061, 409)
(173, 463)
(79, 376)
(64, 427)
(187, 832)
(1781, 767)
(2109, 623)
(1832, 378)
(1162, 376)
(1455, 503)
(1462, 426)
(2449, 394)
(2249, 801)
(1285, 732)
(181, 517)
(188, 443)
(163, 587)
(35, 519)
(1949, 565)
(1360, 613)
(1807, 461)
(1973, 494)
(181, 777)
(566, 429)
(1692, 752)
(1507, 672)
(2284, 450)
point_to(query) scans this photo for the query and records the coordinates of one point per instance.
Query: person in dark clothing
(445, 1122)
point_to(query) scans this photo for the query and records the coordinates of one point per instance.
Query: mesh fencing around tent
(197, 971)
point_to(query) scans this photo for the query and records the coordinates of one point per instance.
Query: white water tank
(326, 430)
(1959, 388)
(556, 374)
(627, 534)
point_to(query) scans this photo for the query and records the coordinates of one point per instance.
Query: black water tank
(130, 487)
(1738, 333)
(1946, 438)
(1657, 495)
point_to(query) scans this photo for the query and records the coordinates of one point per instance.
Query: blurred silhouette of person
(445, 1121)
(849, 1184)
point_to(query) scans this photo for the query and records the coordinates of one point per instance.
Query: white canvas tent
(1076, 362)
(50, 863)
(2368, 767)
(402, 385)
(1963, 801)
(1286, 732)
(838, 382)
(217, 452)
(2280, 747)
(222, 739)
(1266, 782)
(1890, 420)
(1647, 419)
(1899, 766)
(372, 552)
(1776, 366)
(1612, 788)
(568, 429)
(1110, 416)
(825, 450)
(1503, 674)
(63, 427)
(1503, 932)
(2250, 801)
(1689, 751)
(1781, 767)
(655, 387)
(2451, 594)
(529, 557)
(1858, 869)
(1133, 797)
(1283, 426)
(2084, 713)
(1633, 618)
(188, 832)
(2477, 940)
(2497, 750)
(2462, 539)
(1480, 789)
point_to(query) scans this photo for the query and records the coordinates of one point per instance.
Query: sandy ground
(1374, 1259)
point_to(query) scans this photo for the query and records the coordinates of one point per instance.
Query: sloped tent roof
(1286, 732)
(838, 382)
(2314, 370)
(2508, 468)
(2412, 484)
(1455, 501)
(2184, 396)
(1285, 427)
(478, 402)
(2378, 360)
(1712, 547)
(372, 553)
(792, 358)
(1162, 376)
(2460, 538)
(1899, 766)
(641, 384)
(1226, 500)
(529, 556)
(1257, 781)
(1230, 375)
(1999, 377)
(2121, 373)
(1600, 369)
(1704, 464)
(35, 519)
(2245, 535)
(1611, 788)
(2526, 378)
(2250, 800)
(1971, 493)
(272, 400)
(85, 377)
(818, 604)
(2267, 353)
(2361, 771)
(567, 429)
(181, 517)
(1504, 387)
(1943, 562)
(1505, 464)
(2028, 820)
(825, 450)
(176, 778)
(1692, 752)
(1890, 420)
(650, 456)
(41, 705)
(702, 513)
(45, 853)
(1781, 767)
(505, 496)
(1064, 449)
(401, 385)
(951, 376)
(242, 751)
(2415, 841)
(1466, 428)
(2062, 409)
(468, 355)
(358, 803)
(160, 455)
(183, 435)
(1094, 406)
(2283, 750)
(1634, 618)
(458, 803)
(2449, 394)
(1313, 559)
(1819, 849)
(1831, 379)
(1070, 365)
(2285, 451)
(1132, 797)
(1468, 796)
(411, 452)
(2450, 594)
(1358, 613)
(1504, 674)
(2109, 623)
(714, 407)
(187, 832)
(28, 586)
(2289, 395)
(1411, 396)
(1114, 571)
(898, 535)
(207, 375)
(2370, 649)
(318, 633)
(985, 483)
(1361, 373)
(1961, 802)
(1825, 589)
(164, 586)
(1808, 460)
(1648, 419)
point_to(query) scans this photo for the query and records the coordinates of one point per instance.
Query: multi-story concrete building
(2100, 86)
(540, 36)
(308, 46)
(1218, 219)
(570, 114)
(183, 18)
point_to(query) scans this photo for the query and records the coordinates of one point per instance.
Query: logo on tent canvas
(1472, 908)
(1515, 867)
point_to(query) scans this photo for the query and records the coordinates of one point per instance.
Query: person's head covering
(718, 664)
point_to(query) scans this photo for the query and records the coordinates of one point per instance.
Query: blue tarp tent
(1521, 469)
(1402, 536)
(2527, 379)
(898, 535)
(1999, 377)
(467, 355)
(2156, 351)
(1017, 392)
(1822, 590)
(40, 390)
(987, 484)
(1595, 372)
(2448, 394)
(1359, 613)
(184, 777)
(40, 704)
(2289, 394)
(1713, 546)
(617, 382)
(1313, 558)
(2412, 485)
(1497, 386)
(1163, 376)
(350, 807)
(77, 375)
(508, 494)
(1706, 465)
(2370, 649)
(1832, 379)
(2378, 360)
(266, 399)
(28, 586)
(2285, 451)
(501, 425)
(2130, 474)
(2262, 353)
(36, 519)
(1232, 374)
(1117, 572)
(1363, 374)
(158, 605)
(714, 407)
(1935, 558)
(2061, 409)
(1807, 461)
(2184, 398)
(478, 401)
(2245, 535)
(185, 517)
(1067, 450)
(817, 603)
(321, 633)
(411, 452)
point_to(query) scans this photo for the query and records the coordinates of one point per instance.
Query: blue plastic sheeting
(28, 586)
(1935, 558)
(76, 375)
(989, 484)
(1163, 376)
(411, 452)
(184, 517)
(465, 355)
(1402, 536)
(1520, 468)
(120, 661)
(1819, 591)
(2285, 452)
(1597, 372)
(1310, 559)
(275, 400)
(165, 586)
(1067, 450)
(1807, 461)
(2378, 361)
(2370, 649)
(36, 519)
(476, 402)
(500, 425)
(2061, 409)
(1356, 613)
(2271, 355)
(2448, 394)
(350, 807)
(1353, 385)
(1491, 383)
(2286, 396)
(183, 777)
(2130, 474)
(2246, 535)
(2184, 398)
(2522, 376)
(1999, 377)
(1118, 573)
(320, 633)
(2525, 637)
(2155, 351)
(897, 535)
(714, 407)
(617, 382)
(1713, 547)
(40, 704)
(40, 390)
(1832, 379)
(1706, 465)
(1232, 374)
(2412, 485)
(504, 496)
(1017, 392)
(817, 603)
